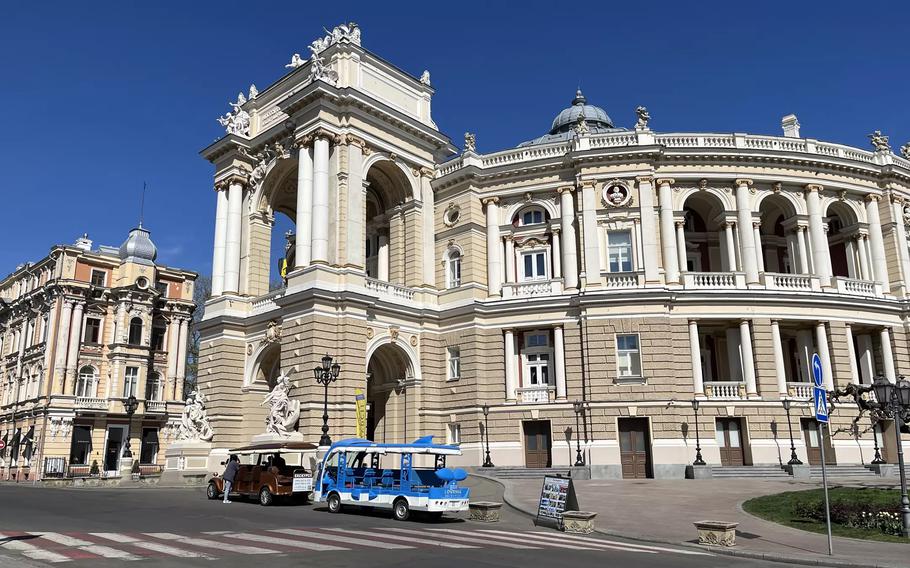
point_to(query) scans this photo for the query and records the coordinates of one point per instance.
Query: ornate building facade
(628, 270)
(81, 331)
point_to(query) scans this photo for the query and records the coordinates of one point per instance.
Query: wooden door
(634, 448)
(537, 443)
(813, 449)
(114, 447)
(730, 441)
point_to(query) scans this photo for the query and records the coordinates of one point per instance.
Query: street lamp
(579, 458)
(698, 459)
(878, 459)
(325, 375)
(894, 401)
(487, 462)
(793, 459)
(130, 405)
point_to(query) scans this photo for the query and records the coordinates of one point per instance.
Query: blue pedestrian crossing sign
(817, 370)
(820, 400)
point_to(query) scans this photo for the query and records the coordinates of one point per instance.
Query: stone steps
(751, 471)
(843, 471)
(523, 472)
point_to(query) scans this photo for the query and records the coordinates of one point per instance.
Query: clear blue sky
(98, 97)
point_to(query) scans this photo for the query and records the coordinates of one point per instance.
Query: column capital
(756, 224)
(565, 189)
(304, 141)
(814, 187)
(897, 199)
(644, 179)
(665, 181)
(424, 171)
(693, 321)
(555, 230)
(232, 179)
(872, 197)
(489, 200)
(775, 321)
(586, 183)
(744, 321)
(743, 182)
(680, 223)
(323, 134)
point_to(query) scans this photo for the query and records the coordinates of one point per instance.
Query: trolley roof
(423, 445)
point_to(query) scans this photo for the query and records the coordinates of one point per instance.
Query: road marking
(31, 550)
(205, 543)
(522, 539)
(618, 543)
(554, 540)
(404, 538)
(344, 539)
(467, 539)
(284, 541)
(154, 546)
(97, 549)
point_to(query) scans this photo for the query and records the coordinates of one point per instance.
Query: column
(173, 340)
(494, 248)
(695, 353)
(60, 343)
(877, 243)
(569, 241)
(730, 248)
(648, 229)
(887, 355)
(820, 257)
(304, 205)
(555, 250)
(748, 361)
(232, 246)
(560, 360)
(821, 343)
(897, 214)
(355, 217)
(681, 246)
(853, 268)
(592, 240)
(382, 258)
(802, 250)
(861, 248)
(510, 364)
(429, 227)
(510, 260)
(759, 254)
(181, 359)
(746, 230)
(866, 359)
(221, 211)
(75, 341)
(319, 251)
(778, 351)
(670, 256)
(851, 353)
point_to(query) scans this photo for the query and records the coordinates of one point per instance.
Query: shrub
(853, 513)
(94, 470)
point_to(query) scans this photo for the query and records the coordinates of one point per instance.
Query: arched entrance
(391, 396)
(265, 368)
(388, 190)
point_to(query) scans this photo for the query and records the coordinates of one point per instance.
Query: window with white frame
(30, 333)
(92, 333)
(86, 382)
(454, 364)
(131, 382)
(628, 356)
(153, 387)
(534, 265)
(619, 251)
(99, 277)
(453, 434)
(453, 269)
(533, 216)
(537, 358)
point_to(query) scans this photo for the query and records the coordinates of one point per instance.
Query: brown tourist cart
(260, 477)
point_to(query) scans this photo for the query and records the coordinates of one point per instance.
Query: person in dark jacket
(230, 472)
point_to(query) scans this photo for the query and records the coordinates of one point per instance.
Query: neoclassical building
(81, 331)
(628, 270)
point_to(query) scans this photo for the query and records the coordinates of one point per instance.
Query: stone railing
(799, 391)
(266, 303)
(794, 282)
(535, 288)
(538, 394)
(714, 280)
(389, 289)
(613, 280)
(155, 406)
(856, 287)
(614, 140)
(730, 390)
(92, 403)
(524, 154)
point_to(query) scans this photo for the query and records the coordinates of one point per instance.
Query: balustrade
(800, 391)
(729, 390)
(92, 403)
(536, 394)
(389, 289)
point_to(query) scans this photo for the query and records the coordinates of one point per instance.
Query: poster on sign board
(557, 495)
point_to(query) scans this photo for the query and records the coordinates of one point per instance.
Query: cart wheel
(265, 497)
(401, 510)
(334, 503)
(211, 491)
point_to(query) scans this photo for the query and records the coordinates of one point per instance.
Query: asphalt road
(159, 527)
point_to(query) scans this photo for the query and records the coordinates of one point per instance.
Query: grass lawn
(781, 508)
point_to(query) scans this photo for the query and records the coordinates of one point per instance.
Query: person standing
(230, 472)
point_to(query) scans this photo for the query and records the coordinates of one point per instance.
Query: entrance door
(113, 448)
(813, 449)
(729, 440)
(537, 443)
(634, 448)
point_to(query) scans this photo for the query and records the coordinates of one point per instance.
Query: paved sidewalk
(664, 510)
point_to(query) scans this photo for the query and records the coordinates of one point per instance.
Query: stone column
(897, 214)
(181, 359)
(382, 257)
(232, 246)
(510, 260)
(802, 250)
(303, 249)
(746, 230)
(864, 272)
(877, 242)
(60, 345)
(591, 238)
(428, 214)
(173, 341)
(779, 368)
(72, 354)
(730, 247)
(560, 361)
(821, 343)
(695, 353)
(569, 240)
(748, 362)
(887, 355)
(355, 217)
(851, 353)
(648, 229)
(669, 255)
(221, 212)
(509, 339)
(759, 251)
(820, 257)
(681, 246)
(866, 359)
(555, 250)
(494, 248)
(319, 251)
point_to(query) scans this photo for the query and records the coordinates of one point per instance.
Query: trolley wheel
(400, 509)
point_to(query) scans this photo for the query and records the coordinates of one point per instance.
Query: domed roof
(138, 247)
(594, 115)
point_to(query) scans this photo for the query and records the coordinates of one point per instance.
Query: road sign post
(820, 403)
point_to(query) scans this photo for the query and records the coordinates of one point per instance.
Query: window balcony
(155, 406)
(725, 390)
(799, 391)
(266, 302)
(532, 288)
(854, 287)
(92, 403)
(536, 394)
(382, 288)
(790, 282)
(714, 280)
(621, 280)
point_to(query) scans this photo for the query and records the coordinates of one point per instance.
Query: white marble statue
(349, 31)
(425, 77)
(581, 126)
(470, 142)
(880, 141)
(905, 150)
(296, 61)
(194, 423)
(283, 412)
(643, 118)
(238, 120)
(254, 92)
(319, 71)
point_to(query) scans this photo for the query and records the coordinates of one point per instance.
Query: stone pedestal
(885, 469)
(799, 471)
(699, 472)
(580, 522)
(187, 462)
(485, 511)
(269, 437)
(716, 533)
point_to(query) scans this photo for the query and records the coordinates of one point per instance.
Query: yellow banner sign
(361, 405)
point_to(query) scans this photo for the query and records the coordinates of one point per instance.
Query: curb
(509, 498)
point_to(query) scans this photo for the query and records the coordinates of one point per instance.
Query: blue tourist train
(360, 473)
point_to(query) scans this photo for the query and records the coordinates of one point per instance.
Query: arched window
(530, 216)
(87, 382)
(153, 387)
(453, 269)
(135, 331)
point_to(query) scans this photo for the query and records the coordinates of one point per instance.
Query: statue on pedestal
(194, 423)
(283, 412)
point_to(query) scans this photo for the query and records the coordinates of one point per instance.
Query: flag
(360, 402)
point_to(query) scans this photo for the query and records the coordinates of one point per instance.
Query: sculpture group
(238, 120)
(283, 412)
(194, 422)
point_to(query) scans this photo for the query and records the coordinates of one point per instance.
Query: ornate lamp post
(878, 459)
(894, 403)
(325, 375)
(793, 459)
(579, 458)
(130, 405)
(487, 462)
(698, 459)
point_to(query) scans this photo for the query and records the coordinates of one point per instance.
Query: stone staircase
(750, 471)
(523, 472)
(836, 471)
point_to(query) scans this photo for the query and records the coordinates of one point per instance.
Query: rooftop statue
(470, 142)
(905, 150)
(238, 120)
(194, 422)
(425, 77)
(319, 71)
(879, 141)
(581, 126)
(254, 92)
(283, 412)
(296, 61)
(643, 118)
(349, 31)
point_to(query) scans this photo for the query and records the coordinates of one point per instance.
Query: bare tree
(201, 293)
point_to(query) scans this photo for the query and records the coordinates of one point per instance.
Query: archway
(709, 239)
(779, 237)
(265, 368)
(385, 246)
(847, 247)
(390, 375)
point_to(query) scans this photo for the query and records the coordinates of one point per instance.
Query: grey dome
(139, 248)
(594, 115)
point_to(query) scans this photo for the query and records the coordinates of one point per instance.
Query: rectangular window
(158, 338)
(628, 356)
(536, 340)
(149, 451)
(92, 333)
(99, 277)
(454, 356)
(535, 265)
(131, 382)
(453, 434)
(81, 448)
(162, 288)
(619, 251)
(538, 367)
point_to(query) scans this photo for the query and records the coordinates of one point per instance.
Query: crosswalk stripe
(555, 540)
(284, 541)
(205, 543)
(344, 539)
(153, 546)
(31, 550)
(523, 540)
(468, 539)
(629, 544)
(403, 538)
(97, 549)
